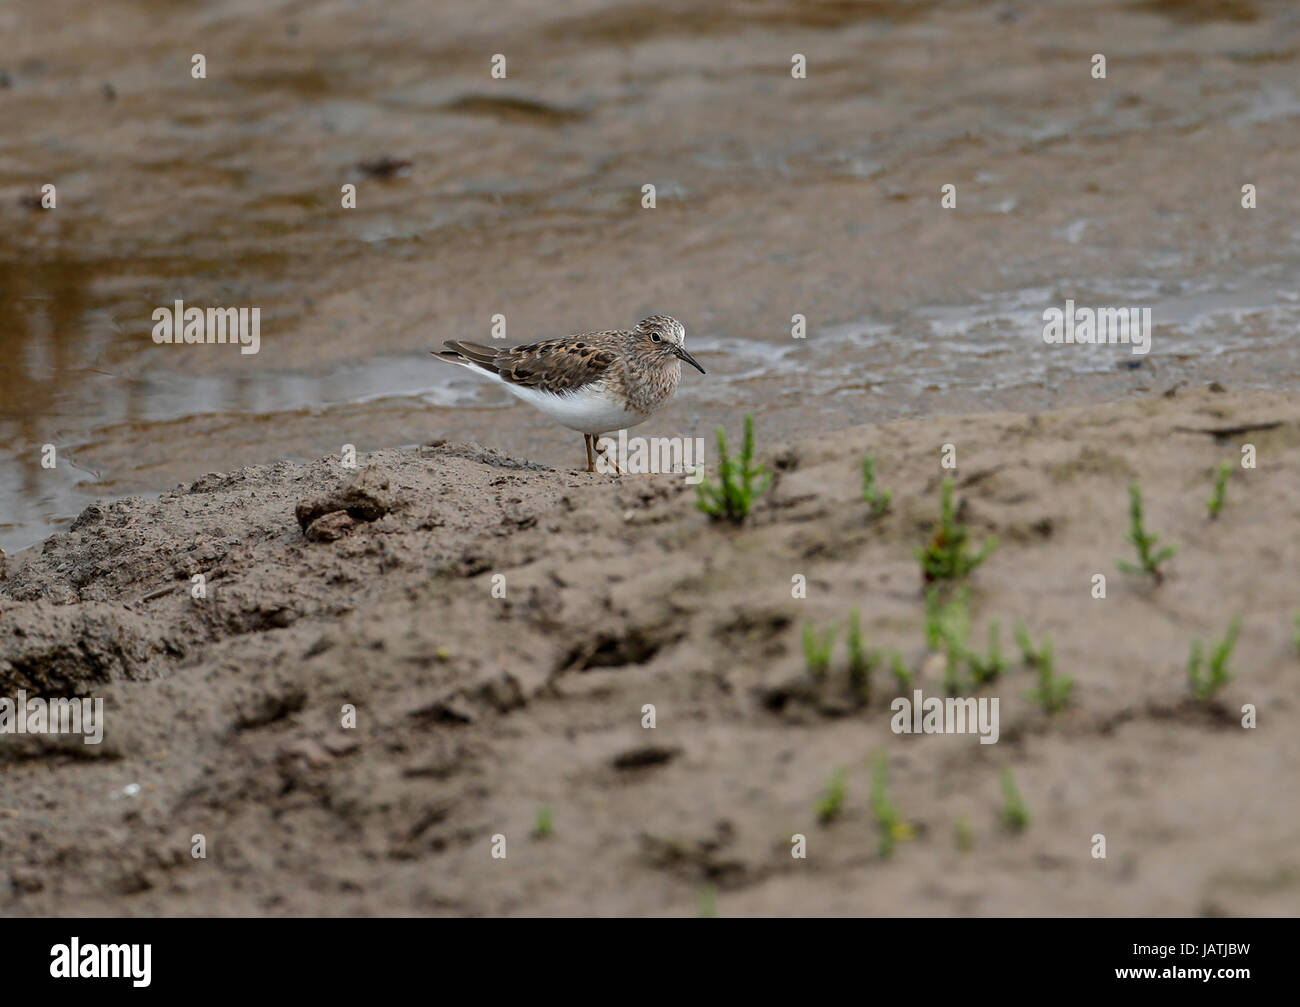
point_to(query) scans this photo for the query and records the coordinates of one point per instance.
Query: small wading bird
(592, 382)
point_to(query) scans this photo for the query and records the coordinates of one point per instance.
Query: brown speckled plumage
(632, 372)
(553, 365)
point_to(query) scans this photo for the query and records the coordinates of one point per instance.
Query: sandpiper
(592, 382)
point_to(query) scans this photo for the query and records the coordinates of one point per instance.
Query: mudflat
(499, 628)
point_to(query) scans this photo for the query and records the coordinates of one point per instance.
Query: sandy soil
(474, 711)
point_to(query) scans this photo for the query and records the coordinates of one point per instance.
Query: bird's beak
(681, 352)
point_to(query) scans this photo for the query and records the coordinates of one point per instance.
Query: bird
(592, 382)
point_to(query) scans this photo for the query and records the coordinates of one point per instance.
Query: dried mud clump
(363, 498)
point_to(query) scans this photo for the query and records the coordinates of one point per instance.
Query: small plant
(1204, 687)
(947, 557)
(888, 821)
(952, 680)
(901, 672)
(876, 499)
(986, 669)
(817, 652)
(862, 662)
(739, 484)
(706, 901)
(1027, 651)
(947, 625)
(832, 802)
(1053, 692)
(945, 621)
(1149, 559)
(963, 836)
(934, 608)
(1215, 502)
(544, 824)
(1015, 816)
(1295, 620)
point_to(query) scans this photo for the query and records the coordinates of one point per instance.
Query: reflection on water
(522, 197)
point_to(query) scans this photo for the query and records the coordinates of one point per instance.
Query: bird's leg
(591, 462)
(606, 455)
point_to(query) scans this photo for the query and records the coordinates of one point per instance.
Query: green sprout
(1015, 816)
(544, 824)
(1053, 691)
(947, 557)
(1215, 502)
(876, 499)
(1295, 619)
(817, 652)
(862, 662)
(946, 621)
(739, 484)
(891, 825)
(1204, 687)
(832, 802)
(947, 626)
(707, 902)
(1027, 651)
(899, 669)
(986, 669)
(952, 680)
(1149, 559)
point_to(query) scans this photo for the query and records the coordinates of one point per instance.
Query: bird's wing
(553, 365)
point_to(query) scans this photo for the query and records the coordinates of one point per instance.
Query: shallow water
(522, 197)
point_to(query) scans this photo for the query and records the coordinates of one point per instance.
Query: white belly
(585, 410)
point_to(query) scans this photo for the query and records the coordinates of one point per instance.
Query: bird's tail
(452, 354)
(467, 354)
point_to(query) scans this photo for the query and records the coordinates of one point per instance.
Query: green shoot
(888, 821)
(986, 669)
(861, 661)
(1149, 559)
(946, 622)
(950, 626)
(739, 484)
(946, 627)
(1027, 651)
(1295, 619)
(1015, 816)
(1204, 687)
(544, 825)
(707, 902)
(901, 672)
(1215, 502)
(876, 499)
(832, 802)
(947, 557)
(952, 680)
(817, 653)
(1053, 692)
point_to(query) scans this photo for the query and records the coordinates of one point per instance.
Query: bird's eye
(655, 337)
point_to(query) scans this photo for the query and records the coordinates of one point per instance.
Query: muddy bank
(776, 196)
(375, 588)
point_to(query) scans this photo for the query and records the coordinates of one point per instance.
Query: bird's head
(664, 336)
